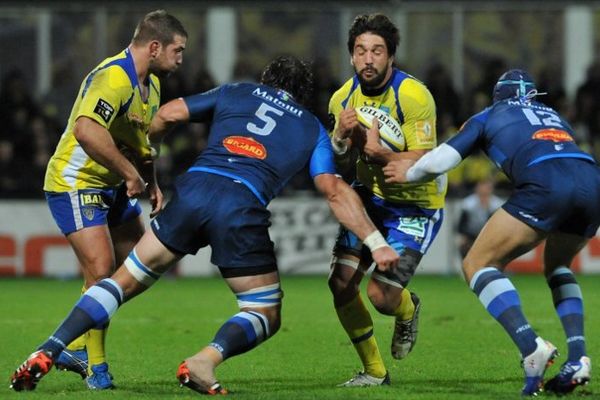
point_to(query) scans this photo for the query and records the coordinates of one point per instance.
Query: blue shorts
(404, 226)
(83, 208)
(561, 194)
(208, 209)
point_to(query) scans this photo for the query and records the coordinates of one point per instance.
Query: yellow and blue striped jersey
(410, 102)
(110, 95)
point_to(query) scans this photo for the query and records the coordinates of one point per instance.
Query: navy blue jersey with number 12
(260, 136)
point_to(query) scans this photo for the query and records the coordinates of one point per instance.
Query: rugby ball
(390, 133)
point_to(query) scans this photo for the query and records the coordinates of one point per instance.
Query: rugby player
(409, 215)
(103, 162)
(555, 198)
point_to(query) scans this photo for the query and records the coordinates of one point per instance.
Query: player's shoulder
(344, 91)
(116, 71)
(415, 90)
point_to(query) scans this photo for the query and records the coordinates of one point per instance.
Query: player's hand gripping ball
(390, 133)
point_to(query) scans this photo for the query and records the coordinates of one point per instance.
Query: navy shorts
(83, 208)
(561, 194)
(208, 209)
(408, 229)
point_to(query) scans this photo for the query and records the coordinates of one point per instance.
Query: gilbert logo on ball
(390, 133)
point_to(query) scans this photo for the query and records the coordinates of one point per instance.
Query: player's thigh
(125, 236)
(125, 223)
(93, 247)
(149, 259)
(344, 277)
(502, 239)
(561, 248)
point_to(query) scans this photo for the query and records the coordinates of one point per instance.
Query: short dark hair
(290, 74)
(377, 24)
(158, 25)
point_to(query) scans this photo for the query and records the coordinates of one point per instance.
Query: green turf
(462, 353)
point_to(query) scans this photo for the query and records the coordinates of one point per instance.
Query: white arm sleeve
(439, 160)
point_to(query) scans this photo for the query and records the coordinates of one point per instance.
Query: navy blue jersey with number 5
(516, 135)
(260, 136)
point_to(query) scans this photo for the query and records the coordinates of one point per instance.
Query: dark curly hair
(378, 24)
(290, 74)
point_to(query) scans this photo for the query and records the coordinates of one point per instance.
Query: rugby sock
(79, 343)
(357, 322)
(568, 301)
(94, 309)
(406, 308)
(242, 332)
(95, 347)
(501, 300)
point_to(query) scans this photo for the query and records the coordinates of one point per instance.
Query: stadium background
(458, 48)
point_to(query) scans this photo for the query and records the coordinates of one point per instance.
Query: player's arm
(98, 143)
(418, 127)
(441, 159)
(195, 108)
(350, 212)
(106, 91)
(346, 205)
(381, 155)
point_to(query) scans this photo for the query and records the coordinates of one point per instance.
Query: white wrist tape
(375, 241)
(340, 146)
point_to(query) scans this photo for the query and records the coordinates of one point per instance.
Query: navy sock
(241, 333)
(501, 300)
(568, 301)
(93, 309)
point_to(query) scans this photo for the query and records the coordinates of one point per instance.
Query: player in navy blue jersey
(555, 198)
(260, 137)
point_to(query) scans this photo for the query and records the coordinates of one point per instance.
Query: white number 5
(261, 114)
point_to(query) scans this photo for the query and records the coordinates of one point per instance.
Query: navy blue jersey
(517, 134)
(259, 136)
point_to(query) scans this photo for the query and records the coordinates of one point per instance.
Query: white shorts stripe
(76, 209)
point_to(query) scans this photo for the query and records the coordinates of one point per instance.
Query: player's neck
(141, 61)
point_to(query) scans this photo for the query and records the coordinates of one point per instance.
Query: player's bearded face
(371, 60)
(370, 77)
(169, 58)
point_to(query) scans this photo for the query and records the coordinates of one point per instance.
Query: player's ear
(351, 61)
(155, 47)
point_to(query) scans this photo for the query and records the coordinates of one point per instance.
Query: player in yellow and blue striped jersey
(103, 162)
(409, 215)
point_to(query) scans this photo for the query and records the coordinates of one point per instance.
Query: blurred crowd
(30, 127)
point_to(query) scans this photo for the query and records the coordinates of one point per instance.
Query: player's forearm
(97, 142)
(438, 161)
(349, 210)
(168, 116)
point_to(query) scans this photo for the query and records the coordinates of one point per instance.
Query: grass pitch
(462, 353)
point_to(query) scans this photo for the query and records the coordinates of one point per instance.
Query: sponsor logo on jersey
(555, 135)
(104, 110)
(245, 146)
(278, 102)
(91, 199)
(414, 226)
(424, 132)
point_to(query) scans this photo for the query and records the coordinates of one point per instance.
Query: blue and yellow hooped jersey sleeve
(110, 95)
(408, 101)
